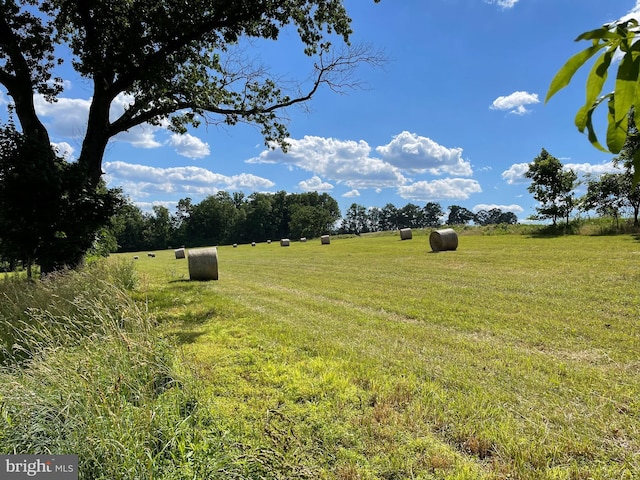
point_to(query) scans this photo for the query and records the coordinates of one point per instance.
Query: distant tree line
(227, 218)
(359, 219)
(223, 218)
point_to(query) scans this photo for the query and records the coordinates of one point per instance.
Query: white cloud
(189, 146)
(583, 169)
(502, 3)
(142, 136)
(142, 181)
(345, 161)
(66, 118)
(415, 153)
(505, 208)
(633, 13)
(351, 194)
(441, 189)
(148, 206)
(64, 150)
(515, 103)
(315, 184)
(515, 173)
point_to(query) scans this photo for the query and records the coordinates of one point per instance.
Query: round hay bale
(253, 244)
(203, 264)
(303, 239)
(405, 234)
(325, 240)
(151, 254)
(136, 257)
(180, 253)
(235, 245)
(445, 239)
(268, 242)
(285, 242)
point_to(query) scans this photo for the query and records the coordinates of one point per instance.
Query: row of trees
(227, 218)
(359, 219)
(223, 219)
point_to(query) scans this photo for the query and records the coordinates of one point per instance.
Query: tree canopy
(174, 62)
(552, 186)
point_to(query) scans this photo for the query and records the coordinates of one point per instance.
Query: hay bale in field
(203, 264)
(268, 242)
(445, 239)
(285, 242)
(179, 253)
(235, 245)
(405, 234)
(325, 240)
(151, 254)
(253, 244)
(303, 239)
(136, 257)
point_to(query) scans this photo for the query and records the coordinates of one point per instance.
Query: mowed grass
(372, 357)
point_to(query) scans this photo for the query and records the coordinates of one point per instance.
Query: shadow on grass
(554, 231)
(186, 336)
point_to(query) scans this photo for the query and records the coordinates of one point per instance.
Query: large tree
(552, 186)
(46, 212)
(174, 62)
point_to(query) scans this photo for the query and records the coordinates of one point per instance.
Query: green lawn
(372, 357)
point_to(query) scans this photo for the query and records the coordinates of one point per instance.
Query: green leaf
(589, 123)
(625, 98)
(597, 34)
(595, 82)
(616, 129)
(564, 75)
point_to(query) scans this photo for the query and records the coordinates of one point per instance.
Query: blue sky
(453, 117)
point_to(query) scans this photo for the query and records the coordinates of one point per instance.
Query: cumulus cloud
(64, 150)
(189, 146)
(415, 153)
(315, 184)
(351, 194)
(65, 118)
(584, 169)
(141, 181)
(633, 13)
(515, 173)
(441, 189)
(502, 3)
(345, 161)
(515, 103)
(505, 208)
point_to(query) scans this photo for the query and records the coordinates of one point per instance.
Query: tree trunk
(96, 138)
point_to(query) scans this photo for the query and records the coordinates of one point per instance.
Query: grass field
(372, 357)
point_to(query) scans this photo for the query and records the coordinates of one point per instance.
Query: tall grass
(86, 372)
(63, 309)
